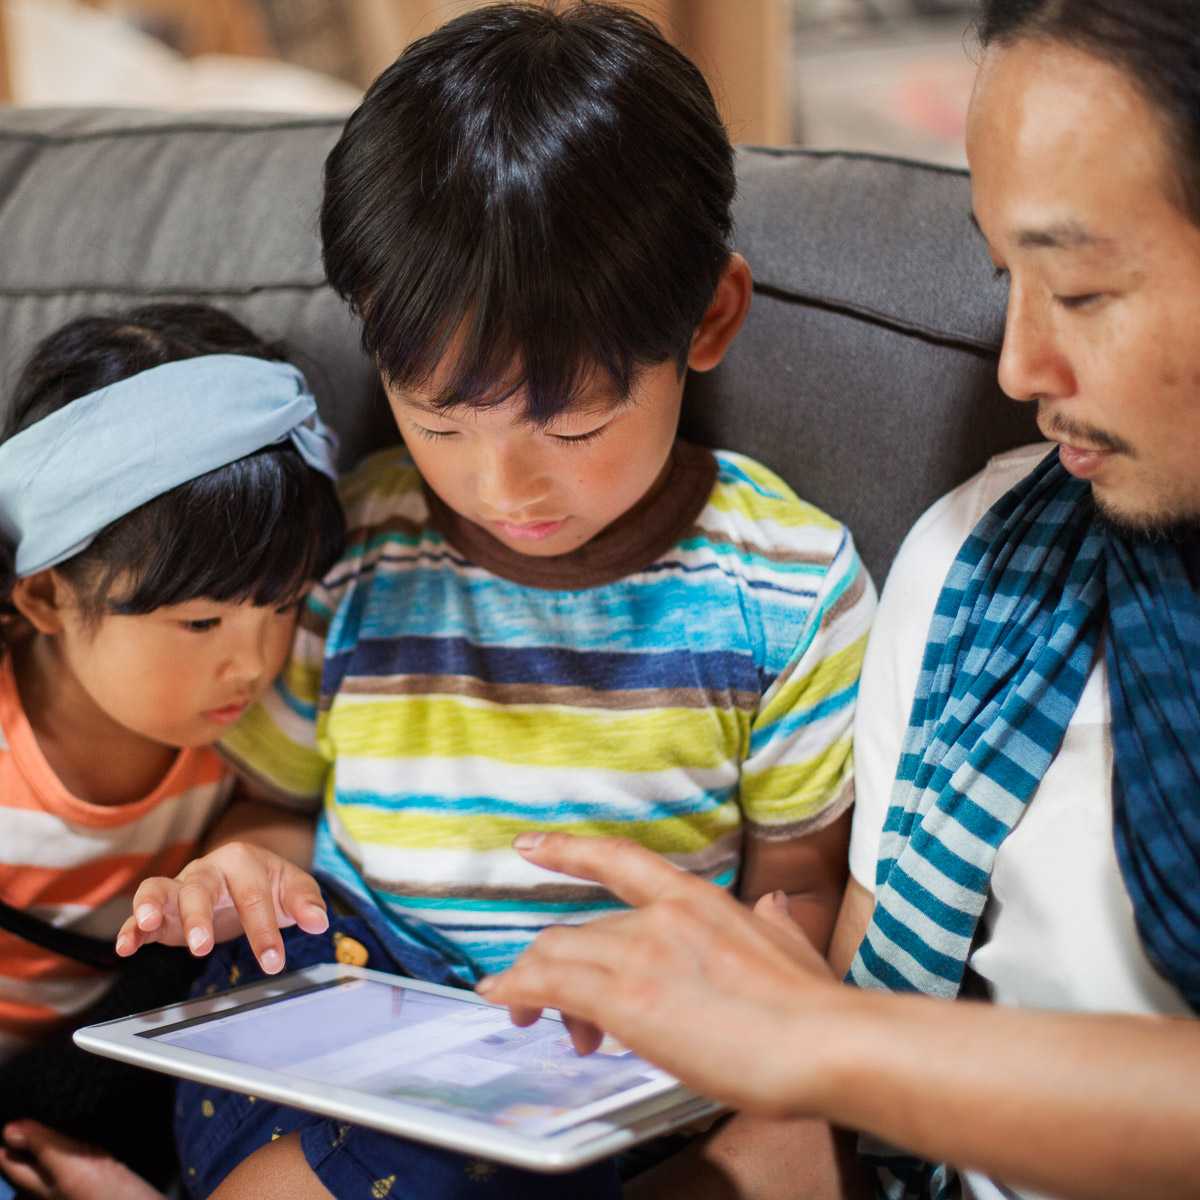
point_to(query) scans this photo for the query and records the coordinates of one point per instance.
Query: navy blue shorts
(215, 1129)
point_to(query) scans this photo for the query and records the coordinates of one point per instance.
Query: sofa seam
(96, 135)
(7, 292)
(945, 337)
(897, 160)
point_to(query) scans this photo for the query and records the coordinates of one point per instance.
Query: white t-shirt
(1058, 928)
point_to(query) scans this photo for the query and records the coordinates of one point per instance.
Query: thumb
(774, 911)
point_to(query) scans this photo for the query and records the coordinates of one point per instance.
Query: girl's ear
(41, 600)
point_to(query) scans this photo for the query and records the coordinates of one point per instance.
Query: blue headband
(81, 468)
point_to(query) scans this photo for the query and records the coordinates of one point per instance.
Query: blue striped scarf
(1010, 646)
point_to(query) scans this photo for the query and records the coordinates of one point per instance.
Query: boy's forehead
(596, 395)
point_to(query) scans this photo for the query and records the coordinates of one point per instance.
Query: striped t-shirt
(77, 865)
(687, 679)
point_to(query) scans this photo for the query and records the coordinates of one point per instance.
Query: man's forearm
(1078, 1106)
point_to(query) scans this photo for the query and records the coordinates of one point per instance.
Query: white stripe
(100, 922)
(928, 930)
(65, 996)
(40, 839)
(903, 962)
(622, 793)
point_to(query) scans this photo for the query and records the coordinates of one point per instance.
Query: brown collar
(630, 544)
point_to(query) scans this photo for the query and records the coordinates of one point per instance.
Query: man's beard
(1177, 528)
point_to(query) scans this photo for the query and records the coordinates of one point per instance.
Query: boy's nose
(509, 484)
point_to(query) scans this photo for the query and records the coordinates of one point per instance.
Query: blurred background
(888, 76)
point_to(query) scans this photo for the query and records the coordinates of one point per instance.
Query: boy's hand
(239, 886)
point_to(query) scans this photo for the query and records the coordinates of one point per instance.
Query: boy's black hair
(257, 529)
(1156, 42)
(543, 191)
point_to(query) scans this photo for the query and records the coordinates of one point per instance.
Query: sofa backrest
(865, 375)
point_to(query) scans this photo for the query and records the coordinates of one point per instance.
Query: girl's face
(180, 675)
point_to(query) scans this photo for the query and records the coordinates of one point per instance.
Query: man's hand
(691, 979)
(238, 886)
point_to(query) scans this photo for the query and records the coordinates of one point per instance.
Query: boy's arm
(797, 781)
(811, 871)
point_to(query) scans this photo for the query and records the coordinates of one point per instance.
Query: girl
(166, 496)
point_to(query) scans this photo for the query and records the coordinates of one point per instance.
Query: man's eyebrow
(1062, 235)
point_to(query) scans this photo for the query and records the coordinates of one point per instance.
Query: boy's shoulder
(751, 500)
(384, 485)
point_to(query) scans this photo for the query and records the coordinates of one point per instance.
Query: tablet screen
(425, 1049)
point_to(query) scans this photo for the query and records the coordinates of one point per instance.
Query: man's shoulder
(939, 533)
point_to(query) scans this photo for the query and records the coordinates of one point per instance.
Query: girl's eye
(201, 626)
(1000, 273)
(287, 610)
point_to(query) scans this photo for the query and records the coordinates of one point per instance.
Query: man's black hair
(256, 530)
(1156, 42)
(543, 191)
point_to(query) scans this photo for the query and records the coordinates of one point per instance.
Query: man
(1043, 830)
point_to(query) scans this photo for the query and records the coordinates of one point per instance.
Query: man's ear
(41, 599)
(724, 316)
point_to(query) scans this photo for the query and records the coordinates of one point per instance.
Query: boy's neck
(630, 544)
(94, 757)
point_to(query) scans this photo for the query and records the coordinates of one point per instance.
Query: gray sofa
(865, 374)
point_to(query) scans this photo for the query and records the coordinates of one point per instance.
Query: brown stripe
(563, 695)
(848, 599)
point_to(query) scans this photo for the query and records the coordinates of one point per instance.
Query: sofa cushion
(865, 374)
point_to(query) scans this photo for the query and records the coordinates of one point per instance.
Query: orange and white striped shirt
(77, 865)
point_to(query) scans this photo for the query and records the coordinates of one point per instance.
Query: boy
(552, 613)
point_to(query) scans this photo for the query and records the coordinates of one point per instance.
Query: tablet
(418, 1060)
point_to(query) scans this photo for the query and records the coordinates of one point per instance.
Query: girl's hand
(239, 886)
(726, 999)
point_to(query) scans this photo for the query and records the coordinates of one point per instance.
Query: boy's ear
(40, 599)
(721, 322)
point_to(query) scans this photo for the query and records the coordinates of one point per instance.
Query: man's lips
(1081, 461)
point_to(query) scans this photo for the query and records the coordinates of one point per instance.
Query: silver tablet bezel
(604, 1135)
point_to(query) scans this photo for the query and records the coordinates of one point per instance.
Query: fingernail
(528, 841)
(123, 943)
(486, 984)
(15, 1137)
(197, 940)
(271, 961)
(317, 913)
(780, 901)
(145, 914)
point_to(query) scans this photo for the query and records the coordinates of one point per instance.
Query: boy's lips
(533, 531)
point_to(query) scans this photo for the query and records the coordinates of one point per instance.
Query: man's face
(1073, 190)
(545, 491)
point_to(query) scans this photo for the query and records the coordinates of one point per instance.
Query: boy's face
(545, 491)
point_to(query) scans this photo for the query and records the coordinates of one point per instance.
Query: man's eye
(201, 626)
(1083, 300)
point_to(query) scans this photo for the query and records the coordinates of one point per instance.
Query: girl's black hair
(544, 189)
(1156, 42)
(256, 530)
